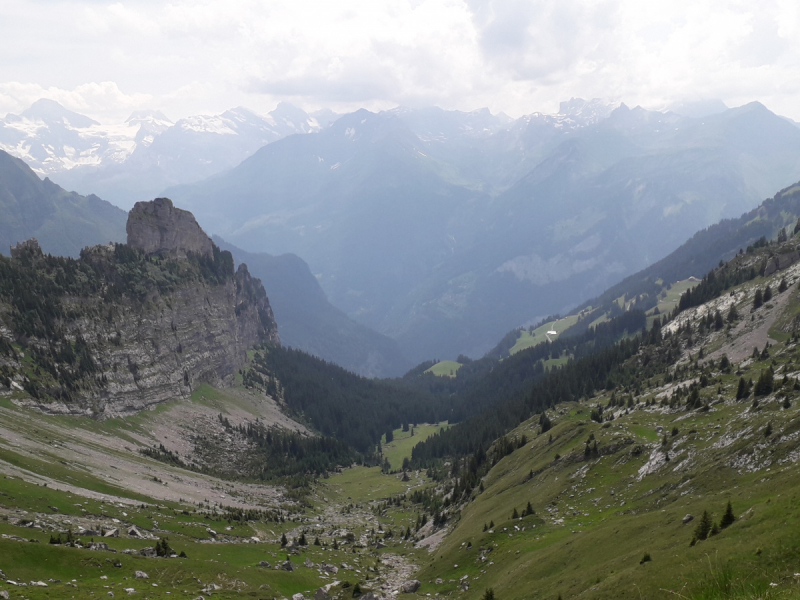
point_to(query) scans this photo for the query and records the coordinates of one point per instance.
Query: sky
(107, 59)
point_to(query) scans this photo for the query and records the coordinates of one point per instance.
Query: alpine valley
(210, 416)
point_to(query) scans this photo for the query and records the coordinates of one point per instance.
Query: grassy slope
(230, 565)
(595, 553)
(445, 368)
(527, 339)
(403, 442)
(614, 510)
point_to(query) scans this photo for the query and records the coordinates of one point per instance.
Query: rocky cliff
(157, 227)
(127, 326)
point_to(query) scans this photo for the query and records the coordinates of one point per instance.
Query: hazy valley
(214, 393)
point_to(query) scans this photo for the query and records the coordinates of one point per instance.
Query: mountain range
(443, 230)
(136, 159)
(64, 222)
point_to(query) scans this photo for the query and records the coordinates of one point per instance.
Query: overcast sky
(106, 59)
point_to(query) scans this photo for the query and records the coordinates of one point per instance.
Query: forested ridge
(359, 411)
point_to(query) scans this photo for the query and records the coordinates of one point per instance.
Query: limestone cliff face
(148, 323)
(158, 227)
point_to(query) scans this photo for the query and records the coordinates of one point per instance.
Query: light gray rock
(98, 546)
(157, 227)
(411, 586)
(687, 518)
(141, 575)
(161, 347)
(111, 533)
(321, 594)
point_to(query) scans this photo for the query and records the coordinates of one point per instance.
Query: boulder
(411, 586)
(321, 594)
(287, 566)
(687, 518)
(98, 546)
(298, 597)
(133, 532)
(264, 563)
(4, 595)
(148, 552)
(330, 569)
(140, 575)
(111, 533)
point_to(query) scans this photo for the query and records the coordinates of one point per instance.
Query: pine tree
(765, 383)
(529, 509)
(703, 527)
(783, 286)
(284, 541)
(728, 518)
(733, 314)
(767, 294)
(741, 391)
(488, 594)
(758, 299)
(515, 514)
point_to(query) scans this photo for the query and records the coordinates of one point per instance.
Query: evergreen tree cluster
(340, 404)
(280, 453)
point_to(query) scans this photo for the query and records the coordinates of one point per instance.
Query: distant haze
(106, 59)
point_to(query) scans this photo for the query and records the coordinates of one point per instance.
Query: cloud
(518, 56)
(102, 99)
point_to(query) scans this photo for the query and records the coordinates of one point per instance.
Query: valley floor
(615, 505)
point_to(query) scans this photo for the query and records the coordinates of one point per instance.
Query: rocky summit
(157, 227)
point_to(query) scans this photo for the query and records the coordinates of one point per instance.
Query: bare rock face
(148, 344)
(157, 227)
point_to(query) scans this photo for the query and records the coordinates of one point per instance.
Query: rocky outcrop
(28, 247)
(157, 227)
(780, 262)
(150, 337)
